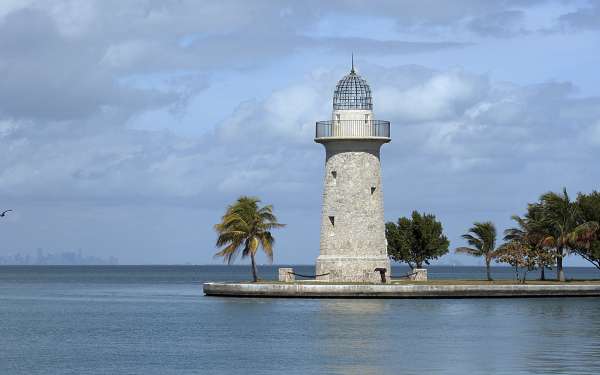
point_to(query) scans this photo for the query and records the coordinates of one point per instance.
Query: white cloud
(461, 122)
(73, 17)
(442, 96)
(125, 54)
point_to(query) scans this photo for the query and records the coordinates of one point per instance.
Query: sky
(127, 127)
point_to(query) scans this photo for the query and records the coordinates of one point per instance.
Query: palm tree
(561, 226)
(482, 238)
(245, 227)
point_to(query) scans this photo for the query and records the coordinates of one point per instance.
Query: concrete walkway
(299, 290)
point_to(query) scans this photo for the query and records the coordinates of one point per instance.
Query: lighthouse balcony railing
(352, 129)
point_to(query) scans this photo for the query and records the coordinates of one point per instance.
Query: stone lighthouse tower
(353, 242)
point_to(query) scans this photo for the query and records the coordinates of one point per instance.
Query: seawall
(301, 290)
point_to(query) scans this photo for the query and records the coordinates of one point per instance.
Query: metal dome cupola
(352, 92)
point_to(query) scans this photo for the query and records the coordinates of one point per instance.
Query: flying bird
(4, 213)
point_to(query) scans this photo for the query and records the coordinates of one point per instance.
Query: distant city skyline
(40, 257)
(128, 127)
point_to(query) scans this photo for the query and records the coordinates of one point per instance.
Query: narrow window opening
(337, 117)
(332, 220)
(373, 188)
(334, 174)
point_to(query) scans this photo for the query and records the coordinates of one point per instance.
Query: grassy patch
(435, 282)
(494, 282)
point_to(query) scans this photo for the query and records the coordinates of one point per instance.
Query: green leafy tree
(589, 248)
(563, 227)
(244, 228)
(416, 240)
(482, 240)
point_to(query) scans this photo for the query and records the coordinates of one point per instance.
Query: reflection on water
(154, 320)
(352, 308)
(567, 335)
(468, 336)
(350, 338)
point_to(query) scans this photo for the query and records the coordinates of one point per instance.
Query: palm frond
(583, 234)
(230, 236)
(473, 241)
(468, 251)
(230, 252)
(267, 241)
(251, 246)
(269, 226)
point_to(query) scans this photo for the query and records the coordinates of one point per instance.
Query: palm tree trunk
(254, 271)
(560, 272)
(487, 270)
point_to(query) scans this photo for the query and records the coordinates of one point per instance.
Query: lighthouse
(352, 243)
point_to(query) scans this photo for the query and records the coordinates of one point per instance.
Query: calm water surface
(155, 320)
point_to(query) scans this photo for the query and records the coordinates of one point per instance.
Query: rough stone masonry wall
(353, 240)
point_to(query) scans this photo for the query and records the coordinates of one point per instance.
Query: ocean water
(155, 320)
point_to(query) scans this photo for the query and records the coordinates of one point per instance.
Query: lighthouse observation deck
(352, 129)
